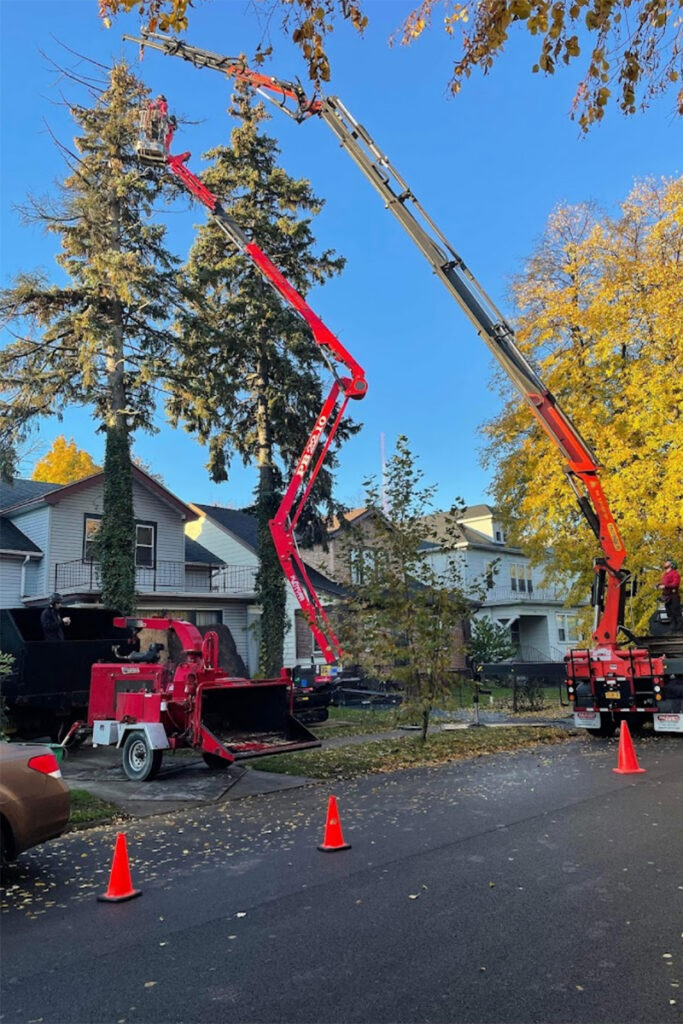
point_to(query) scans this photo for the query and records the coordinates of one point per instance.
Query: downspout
(23, 593)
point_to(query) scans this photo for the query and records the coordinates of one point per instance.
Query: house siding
(223, 544)
(36, 526)
(68, 519)
(10, 581)
(235, 618)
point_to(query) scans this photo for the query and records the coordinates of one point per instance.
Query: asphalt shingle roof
(20, 491)
(241, 524)
(198, 554)
(12, 539)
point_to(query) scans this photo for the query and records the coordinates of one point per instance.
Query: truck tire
(139, 761)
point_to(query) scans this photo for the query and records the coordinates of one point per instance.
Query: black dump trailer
(50, 681)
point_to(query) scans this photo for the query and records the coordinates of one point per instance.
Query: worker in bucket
(670, 587)
(51, 621)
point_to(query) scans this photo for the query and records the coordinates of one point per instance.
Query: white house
(540, 625)
(233, 535)
(47, 544)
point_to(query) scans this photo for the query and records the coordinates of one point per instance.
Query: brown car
(34, 799)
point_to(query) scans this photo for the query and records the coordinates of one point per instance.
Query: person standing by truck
(51, 621)
(670, 587)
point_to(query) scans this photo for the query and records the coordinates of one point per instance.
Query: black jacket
(51, 622)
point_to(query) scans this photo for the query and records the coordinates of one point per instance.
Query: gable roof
(477, 511)
(351, 516)
(244, 526)
(20, 491)
(12, 539)
(27, 493)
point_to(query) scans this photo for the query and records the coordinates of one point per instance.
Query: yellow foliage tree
(631, 49)
(64, 463)
(600, 306)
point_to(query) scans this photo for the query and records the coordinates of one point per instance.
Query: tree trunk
(270, 582)
(117, 535)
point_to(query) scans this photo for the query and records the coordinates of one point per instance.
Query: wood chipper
(145, 707)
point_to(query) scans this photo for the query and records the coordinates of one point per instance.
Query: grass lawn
(349, 761)
(87, 809)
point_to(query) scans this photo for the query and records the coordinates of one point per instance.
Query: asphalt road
(538, 886)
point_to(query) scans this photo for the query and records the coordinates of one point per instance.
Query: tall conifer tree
(100, 339)
(260, 365)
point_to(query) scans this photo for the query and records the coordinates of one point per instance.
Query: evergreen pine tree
(261, 390)
(102, 338)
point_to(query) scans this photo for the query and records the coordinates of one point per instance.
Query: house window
(566, 628)
(520, 578)
(91, 530)
(499, 536)
(145, 543)
(489, 576)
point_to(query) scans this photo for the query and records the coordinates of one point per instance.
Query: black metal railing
(165, 576)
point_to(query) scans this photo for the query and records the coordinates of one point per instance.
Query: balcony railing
(166, 577)
(506, 595)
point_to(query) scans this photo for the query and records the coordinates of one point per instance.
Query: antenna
(385, 503)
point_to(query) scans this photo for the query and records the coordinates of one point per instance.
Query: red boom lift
(608, 681)
(157, 130)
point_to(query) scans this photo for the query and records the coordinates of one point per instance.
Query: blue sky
(488, 165)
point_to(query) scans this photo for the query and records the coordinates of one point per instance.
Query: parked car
(34, 799)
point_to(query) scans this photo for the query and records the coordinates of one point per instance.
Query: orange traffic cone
(120, 884)
(334, 840)
(628, 762)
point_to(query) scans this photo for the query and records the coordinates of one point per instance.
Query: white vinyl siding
(36, 526)
(69, 516)
(235, 618)
(10, 581)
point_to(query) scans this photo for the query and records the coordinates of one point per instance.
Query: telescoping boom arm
(344, 388)
(582, 466)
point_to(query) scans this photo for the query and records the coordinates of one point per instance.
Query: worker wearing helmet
(51, 621)
(670, 587)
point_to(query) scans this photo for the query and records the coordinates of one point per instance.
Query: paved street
(537, 886)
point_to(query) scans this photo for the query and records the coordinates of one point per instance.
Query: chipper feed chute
(249, 719)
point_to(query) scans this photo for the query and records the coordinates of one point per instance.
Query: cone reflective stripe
(627, 761)
(120, 884)
(334, 840)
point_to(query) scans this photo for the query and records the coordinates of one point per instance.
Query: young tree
(101, 338)
(601, 314)
(261, 391)
(489, 642)
(404, 616)
(631, 48)
(64, 463)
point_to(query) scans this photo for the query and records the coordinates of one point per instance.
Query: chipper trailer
(144, 707)
(609, 681)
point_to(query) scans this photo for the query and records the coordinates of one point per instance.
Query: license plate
(612, 695)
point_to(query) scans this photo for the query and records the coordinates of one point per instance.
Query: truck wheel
(214, 762)
(140, 762)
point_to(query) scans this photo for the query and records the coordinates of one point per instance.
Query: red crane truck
(608, 681)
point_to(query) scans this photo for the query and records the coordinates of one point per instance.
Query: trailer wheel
(214, 762)
(139, 761)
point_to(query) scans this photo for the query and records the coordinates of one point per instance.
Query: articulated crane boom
(155, 147)
(607, 680)
(489, 323)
